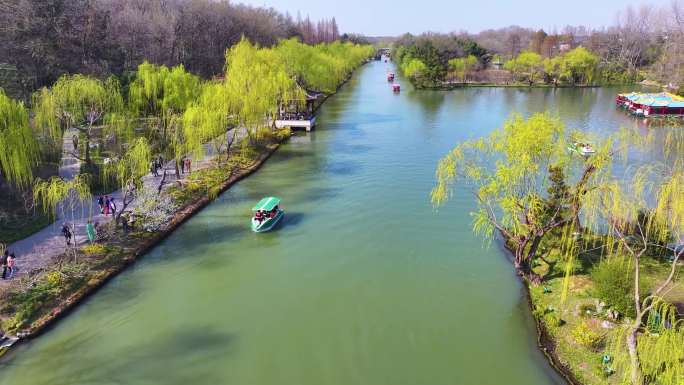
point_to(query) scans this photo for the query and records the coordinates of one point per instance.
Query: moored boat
(390, 76)
(651, 104)
(267, 214)
(583, 149)
(396, 87)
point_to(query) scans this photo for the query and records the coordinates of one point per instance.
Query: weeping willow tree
(65, 195)
(322, 67)
(639, 215)
(507, 174)
(129, 171)
(55, 191)
(80, 102)
(19, 151)
(256, 82)
(163, 93)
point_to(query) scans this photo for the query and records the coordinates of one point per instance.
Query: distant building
(497, 64)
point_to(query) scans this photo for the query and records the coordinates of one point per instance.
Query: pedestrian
(187, 165)
(153, 168)
(160, 162)
(10, 264)
(100, 202)
(74, 141)
(182, 164)
(106, 205)
(90, 230)
(112, 206)
(5, 257)
(66, 232)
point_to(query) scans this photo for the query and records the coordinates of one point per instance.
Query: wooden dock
(306, 123)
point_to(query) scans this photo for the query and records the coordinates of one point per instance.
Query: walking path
(38, 250)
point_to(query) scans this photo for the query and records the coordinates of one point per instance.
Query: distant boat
(390, 76)
(396, 87)
(267, 214)
(583, 149)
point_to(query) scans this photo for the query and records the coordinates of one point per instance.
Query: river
(364, 282)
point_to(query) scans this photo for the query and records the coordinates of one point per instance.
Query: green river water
(363, 283)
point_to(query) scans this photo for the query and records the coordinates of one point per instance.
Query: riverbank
(30, 305)
(457, 85)
(574, 333)
(313, 300)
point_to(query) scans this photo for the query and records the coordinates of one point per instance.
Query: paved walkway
(38, 250)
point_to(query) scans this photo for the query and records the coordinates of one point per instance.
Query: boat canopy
(267, 204)
(662, 99)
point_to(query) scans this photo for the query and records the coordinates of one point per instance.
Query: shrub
(587, 309)
(152, 211)
(586, 336)
(94, 249)
(553, 320)
(614, 284)
(53, 279)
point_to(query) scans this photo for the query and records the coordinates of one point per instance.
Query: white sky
(394, 17)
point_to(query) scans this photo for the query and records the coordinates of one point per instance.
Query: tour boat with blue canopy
(267, 214)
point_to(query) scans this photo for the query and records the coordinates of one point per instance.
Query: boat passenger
(259, 216)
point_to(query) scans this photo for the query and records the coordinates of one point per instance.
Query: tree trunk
(519, 258)
(533, 277)
(161, 183)
(536, 241)
(125, 202)
(635, 375)
(87, 150)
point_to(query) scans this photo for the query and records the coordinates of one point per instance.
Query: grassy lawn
(582, 334)
(16, 227)
(16, 220)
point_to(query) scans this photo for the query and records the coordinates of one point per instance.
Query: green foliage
(586, 336)
(158, 90)
(614, 283)
(526, 67)
(321, 67)
(503, 172)
(94, 249)
(130, 168)
(256, 82)
(660, 354)
(44, 290)
(413, 68)
(576, 67)
(580, 66)
(56, 190)
(558, 194)
(587, 309)
(435, 52)
(76, 100)
(19, 151)
(553, 319)
(462, 66)
(523, 149)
